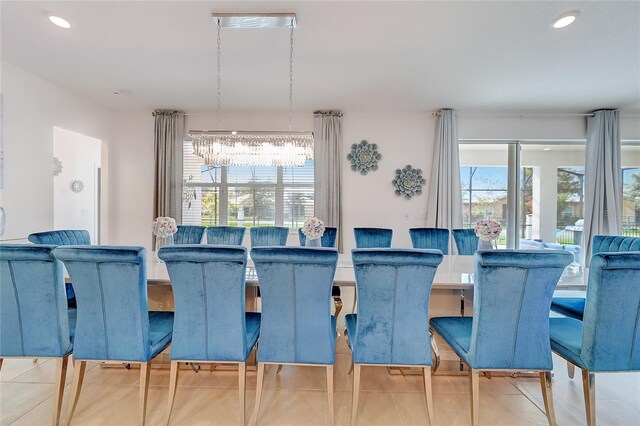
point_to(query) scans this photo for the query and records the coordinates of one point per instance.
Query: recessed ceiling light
(565, 19)
(59, 21)
(547, 149)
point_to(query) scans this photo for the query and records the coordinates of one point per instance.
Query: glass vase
(163, 242)
(485, 244)
(316, 242)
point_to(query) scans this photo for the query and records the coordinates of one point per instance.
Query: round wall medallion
(364, 157)
(408, 182)
(57, 166)
(77, 186)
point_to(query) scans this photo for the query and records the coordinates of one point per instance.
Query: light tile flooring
(297, 396)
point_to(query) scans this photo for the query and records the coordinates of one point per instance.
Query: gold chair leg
(588, 386)
(0, 363)
(212, 368)
(144, 390)
(173, 384)
(256, 407)
(434, 349)
(337, 302)
(35, 360)
(78, 376)
(356, 393)
(474, 381)
(350, 368)
(279, 369)
(547, 396)
(330, 393)
(428, 393)
(242, 388)
(61, 374)
(571, 370)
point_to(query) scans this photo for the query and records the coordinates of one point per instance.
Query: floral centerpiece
(163, 228)
(487, 231)
(313, 229)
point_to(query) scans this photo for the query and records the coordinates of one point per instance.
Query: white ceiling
(367, 56)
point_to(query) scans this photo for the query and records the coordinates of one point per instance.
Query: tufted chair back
(611, 322)
(225, 235)
(373, 237)
(189, 234)
(393, 287)
(111, 289)
(430, 238)
(328, 239)
(34, 320)
(263, 236)
(63, 237)
(295, 282)
(613, 243)
(466, 241)
(511, 301)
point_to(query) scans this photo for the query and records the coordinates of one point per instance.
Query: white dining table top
(454, 273)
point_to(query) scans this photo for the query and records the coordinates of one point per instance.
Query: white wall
(80, 156)
(403, 138)
(31, 109)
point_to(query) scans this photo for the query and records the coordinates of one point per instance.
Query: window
(245, 196)
(631, 190)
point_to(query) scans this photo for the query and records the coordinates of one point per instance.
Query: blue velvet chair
(265, 236)
(328, 239)
(63, 237)
(373, 237)
(510, 325)
(608, 337)
(297, 326)
(114, 322)
(34, 319)
(189, 234)
(391, 327)
(466, 241)
(211, 325)
(225, 235)
(573, 307)
(430, 238)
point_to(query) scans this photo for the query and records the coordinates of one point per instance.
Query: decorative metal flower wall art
(408, 182)
(57, 166)
(364, 157)
(77, 186)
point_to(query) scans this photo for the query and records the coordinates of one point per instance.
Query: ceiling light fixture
(565, 19)
(62, 23)
(253, 148)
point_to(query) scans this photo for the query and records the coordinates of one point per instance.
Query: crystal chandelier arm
(219, 78)
(290, 76)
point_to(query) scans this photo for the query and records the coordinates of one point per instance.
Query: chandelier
(253, 148)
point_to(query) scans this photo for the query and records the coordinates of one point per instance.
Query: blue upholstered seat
(510, 325)
(225, 235)
(189, 234)
(373, 237)
(297, 326)
(573, 307)
(34, 318)
(430, 238)
(63, 237)
(608, 337)
(391, 327)
(328, 239)
(466, 241)
(113, 323)
(265, 236)
(211, 324)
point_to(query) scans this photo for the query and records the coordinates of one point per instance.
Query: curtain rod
(524, 114)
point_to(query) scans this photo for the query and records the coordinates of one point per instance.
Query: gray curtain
(167, 153)
(327, 132)
(603, 187)
(444, 209)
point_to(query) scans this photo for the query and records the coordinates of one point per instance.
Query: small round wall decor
(77, 186)
(364, 157)
(408, 182)
(57, 166)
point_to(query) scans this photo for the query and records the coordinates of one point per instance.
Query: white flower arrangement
(164, 227)
(488, 230)
(313, 228)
